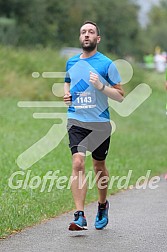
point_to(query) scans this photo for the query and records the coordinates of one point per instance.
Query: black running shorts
(91, 136)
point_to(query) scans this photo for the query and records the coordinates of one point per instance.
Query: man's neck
(86, 54)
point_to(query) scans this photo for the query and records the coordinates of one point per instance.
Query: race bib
(84, 100)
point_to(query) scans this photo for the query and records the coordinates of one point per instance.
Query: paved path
(138, 222)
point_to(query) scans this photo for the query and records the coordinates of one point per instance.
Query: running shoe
(79, 222)
(102, 215)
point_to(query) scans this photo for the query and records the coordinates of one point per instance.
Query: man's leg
(78, 187)
(101, 220)
(102, 179)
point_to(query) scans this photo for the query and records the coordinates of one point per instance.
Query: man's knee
(99, 165)
(78, 162)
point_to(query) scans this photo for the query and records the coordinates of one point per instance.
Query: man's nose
(87, 34)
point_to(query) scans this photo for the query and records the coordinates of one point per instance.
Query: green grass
(139, 143)
(17, 66)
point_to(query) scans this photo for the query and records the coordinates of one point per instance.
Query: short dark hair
(93, 23)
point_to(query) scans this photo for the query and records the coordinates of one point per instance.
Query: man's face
(88, 37)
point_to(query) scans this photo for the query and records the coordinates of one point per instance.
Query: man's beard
(90, 47)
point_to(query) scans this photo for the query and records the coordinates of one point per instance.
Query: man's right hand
(67, 98)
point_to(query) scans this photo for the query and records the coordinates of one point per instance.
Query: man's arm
(67, 95)
(114, 92)
(66, 87)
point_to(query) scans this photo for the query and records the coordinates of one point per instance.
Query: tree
(8, 31)
(55, 22)
(156, 29)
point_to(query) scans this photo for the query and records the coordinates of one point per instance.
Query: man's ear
(98, 39)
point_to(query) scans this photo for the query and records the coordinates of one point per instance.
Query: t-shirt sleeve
(67, 76)
(113, 76)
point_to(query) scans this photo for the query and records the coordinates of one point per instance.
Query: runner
(91, 78)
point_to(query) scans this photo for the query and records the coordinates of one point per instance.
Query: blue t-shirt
(88, 103)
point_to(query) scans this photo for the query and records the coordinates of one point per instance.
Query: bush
(8, 31)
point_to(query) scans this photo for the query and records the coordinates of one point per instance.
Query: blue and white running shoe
(102, 215)
(79, 222)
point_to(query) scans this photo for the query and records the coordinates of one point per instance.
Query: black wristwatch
(101, 89)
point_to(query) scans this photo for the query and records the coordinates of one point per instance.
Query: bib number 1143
(84, 100)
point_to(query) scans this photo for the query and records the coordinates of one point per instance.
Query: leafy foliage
(155, 34)
(56, 23)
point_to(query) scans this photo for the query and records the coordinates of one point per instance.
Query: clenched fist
(94, 79)
(67, 98)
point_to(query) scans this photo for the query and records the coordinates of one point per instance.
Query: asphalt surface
(138, 222)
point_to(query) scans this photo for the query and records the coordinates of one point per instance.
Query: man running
(91, 79)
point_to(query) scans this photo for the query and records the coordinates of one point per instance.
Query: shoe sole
(75, 227)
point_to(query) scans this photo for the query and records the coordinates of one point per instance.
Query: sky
(145, 7)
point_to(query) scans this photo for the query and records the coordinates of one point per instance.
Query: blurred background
(128, 27)
(38, 36)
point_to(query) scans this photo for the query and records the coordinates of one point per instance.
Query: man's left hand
(94, 79)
